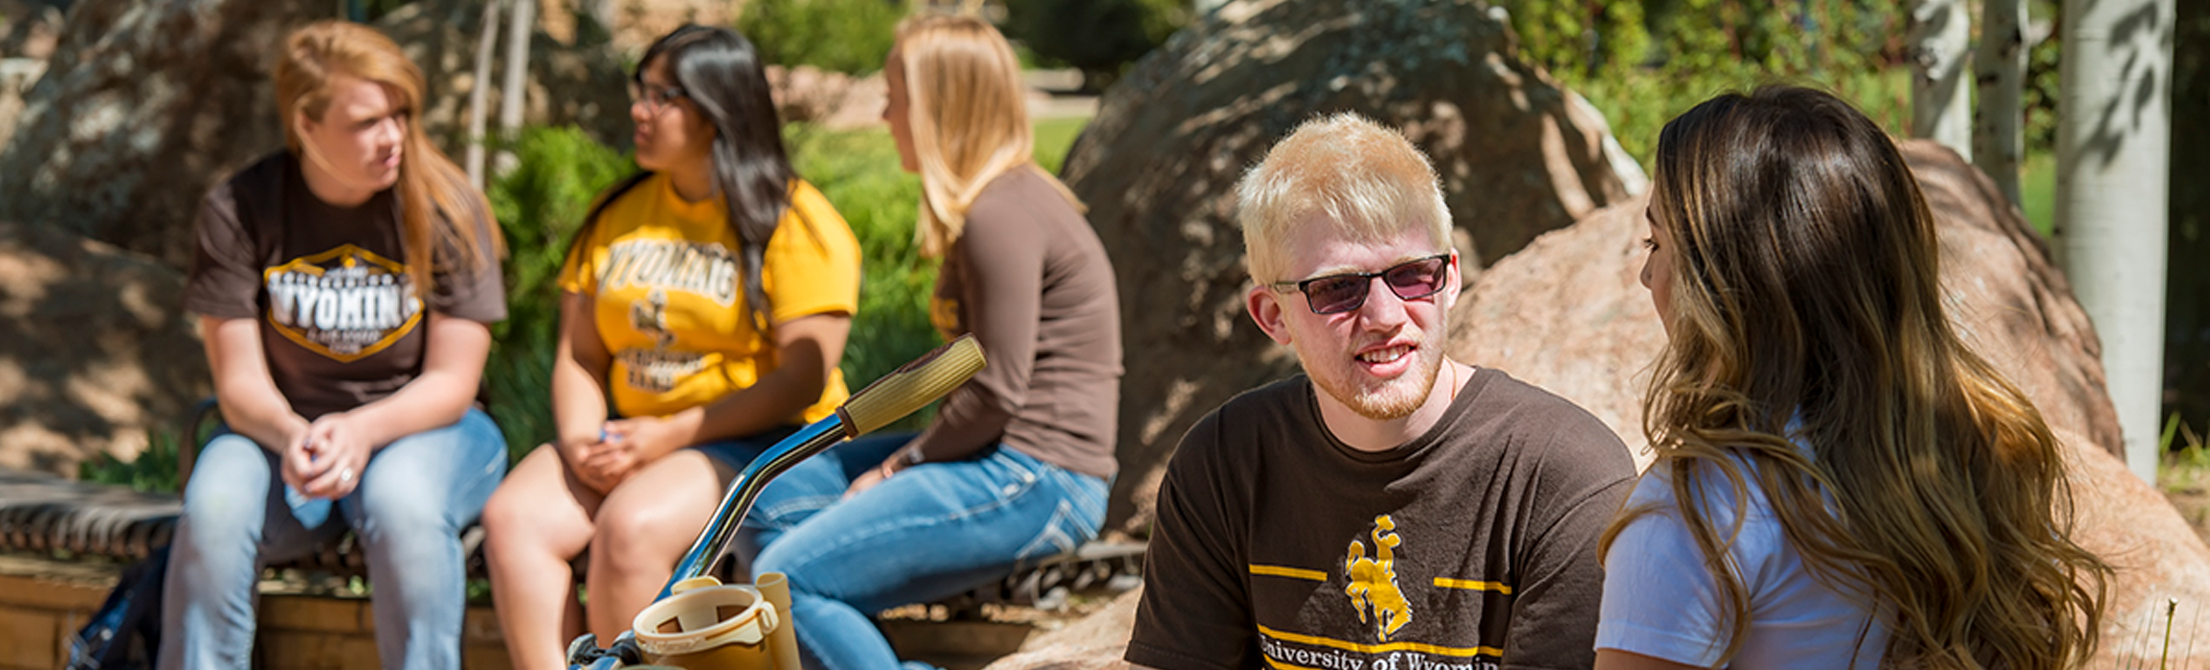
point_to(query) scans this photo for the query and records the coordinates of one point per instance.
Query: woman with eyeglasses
(705, 305)
(1013, 469)
(1841, 482)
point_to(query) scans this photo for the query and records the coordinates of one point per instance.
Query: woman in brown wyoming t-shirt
(1014, 468)
(344, 286)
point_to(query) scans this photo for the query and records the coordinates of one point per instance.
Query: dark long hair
(1806, 285)
(721, 74)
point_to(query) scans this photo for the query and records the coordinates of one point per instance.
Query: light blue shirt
(1660, 600)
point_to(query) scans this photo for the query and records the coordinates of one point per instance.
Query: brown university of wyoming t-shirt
(340, 322)
(1474, 546)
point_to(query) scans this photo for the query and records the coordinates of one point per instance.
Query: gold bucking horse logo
(1374, 580)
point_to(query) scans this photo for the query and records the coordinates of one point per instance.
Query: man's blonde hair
(1364, 177)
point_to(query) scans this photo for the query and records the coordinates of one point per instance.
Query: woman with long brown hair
(345, 287)
(1841, 482)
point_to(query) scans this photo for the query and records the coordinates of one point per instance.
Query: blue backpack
(125, 633)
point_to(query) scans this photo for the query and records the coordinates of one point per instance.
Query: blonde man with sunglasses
(1389, 508)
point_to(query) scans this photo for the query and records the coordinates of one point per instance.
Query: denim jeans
(415, 496)
(930, 532)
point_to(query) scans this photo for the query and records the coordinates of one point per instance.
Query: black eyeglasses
(1410, 280)
(655, 98)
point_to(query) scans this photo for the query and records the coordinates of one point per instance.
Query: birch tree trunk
(1998, 132)
(2113, 179)
(1941, 36)
(479, 93)
(514, 91)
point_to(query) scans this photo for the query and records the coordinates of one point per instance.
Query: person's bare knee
(535, 510)
(651, 518)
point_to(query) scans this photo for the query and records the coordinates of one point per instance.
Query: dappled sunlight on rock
(1096, 642)
(141, 108)
(99, 354)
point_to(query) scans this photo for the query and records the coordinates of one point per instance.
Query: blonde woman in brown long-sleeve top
(1014, 467)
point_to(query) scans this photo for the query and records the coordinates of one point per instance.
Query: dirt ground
(2185, 480)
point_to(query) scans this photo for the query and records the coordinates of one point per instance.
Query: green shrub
(153, 471)
(1101, 37)
(540, 204)
(849, 36)
(1637, 103)
(858, 171)
(1644, 63)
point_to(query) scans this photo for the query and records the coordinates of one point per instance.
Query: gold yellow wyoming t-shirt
(663, 277)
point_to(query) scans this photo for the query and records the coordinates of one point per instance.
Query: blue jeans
(933, 531)
(415, 496)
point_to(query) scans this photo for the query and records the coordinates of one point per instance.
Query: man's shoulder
(1269, 407)
(1233, 429)
(1525, 416)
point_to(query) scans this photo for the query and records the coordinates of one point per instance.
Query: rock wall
(142, 107)
(146, 105)
(98, 355)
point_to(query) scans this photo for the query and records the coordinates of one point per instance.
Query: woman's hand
(577, 452)
(298, 461)
(870, 479)
(630, 444)
(340, 451)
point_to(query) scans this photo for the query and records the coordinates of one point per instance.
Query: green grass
(2037, 190)
(1054, 137)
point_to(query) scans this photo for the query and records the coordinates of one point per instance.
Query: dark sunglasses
(1410, 280)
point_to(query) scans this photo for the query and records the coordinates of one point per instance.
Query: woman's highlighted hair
(436, 204)
(1807, 307)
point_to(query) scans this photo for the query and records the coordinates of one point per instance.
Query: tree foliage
(1643, 63)
(1099, 37)
(848, 36)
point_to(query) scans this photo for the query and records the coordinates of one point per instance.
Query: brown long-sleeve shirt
(1028, 277)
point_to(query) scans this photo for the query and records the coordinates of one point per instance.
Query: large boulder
(1096, 642)
(1569, 314)
(16, 77)
(98, 356)
(1158, 164)
(142, 107)
(145, 105)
